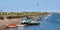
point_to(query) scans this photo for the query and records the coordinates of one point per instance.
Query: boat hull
(31, 23)
(12, 26)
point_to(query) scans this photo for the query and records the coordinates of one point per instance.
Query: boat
(30, 22)
(34, 23)
(20, 25)
(11, 25)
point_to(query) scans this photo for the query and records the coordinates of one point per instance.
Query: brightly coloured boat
(11, 25)
(30, 22)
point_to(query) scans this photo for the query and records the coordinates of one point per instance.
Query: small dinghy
(11, 25)
(20, 25)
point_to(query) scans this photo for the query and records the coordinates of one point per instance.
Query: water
(51, 23)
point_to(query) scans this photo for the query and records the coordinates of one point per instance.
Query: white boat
(20, 25)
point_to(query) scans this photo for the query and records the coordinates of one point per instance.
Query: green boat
(30, 22)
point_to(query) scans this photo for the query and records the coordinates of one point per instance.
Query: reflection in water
(20, 28)
(58, 19)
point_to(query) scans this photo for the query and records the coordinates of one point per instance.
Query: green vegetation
(21, 14)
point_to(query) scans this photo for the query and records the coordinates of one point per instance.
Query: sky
(30, 5)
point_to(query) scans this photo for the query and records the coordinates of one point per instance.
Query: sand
(4, 22)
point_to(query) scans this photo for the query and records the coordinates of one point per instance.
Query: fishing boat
(34, 23)
(30, 22)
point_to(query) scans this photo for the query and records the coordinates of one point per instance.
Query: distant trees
(22, 13)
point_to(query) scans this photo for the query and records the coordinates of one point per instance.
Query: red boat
(11, 25)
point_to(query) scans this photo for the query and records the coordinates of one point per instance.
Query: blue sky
(30, 5)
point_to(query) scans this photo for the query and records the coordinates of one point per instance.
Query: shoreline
(4, 22)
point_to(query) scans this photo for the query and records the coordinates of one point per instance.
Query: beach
(4, 22)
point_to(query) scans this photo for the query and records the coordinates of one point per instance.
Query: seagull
(37, 4)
